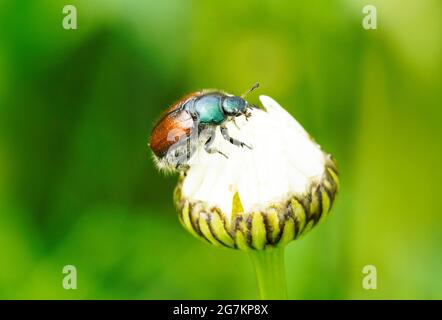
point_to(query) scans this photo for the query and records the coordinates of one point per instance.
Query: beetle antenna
(256, 85)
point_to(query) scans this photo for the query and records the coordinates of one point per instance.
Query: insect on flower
(256, 199)
(192, 121)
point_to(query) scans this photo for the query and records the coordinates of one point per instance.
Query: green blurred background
(77, 184)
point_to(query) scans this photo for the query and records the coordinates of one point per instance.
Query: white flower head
(261, 196)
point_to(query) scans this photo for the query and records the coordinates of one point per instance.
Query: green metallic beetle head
(233, 105)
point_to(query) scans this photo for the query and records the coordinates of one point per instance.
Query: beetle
(192, 120)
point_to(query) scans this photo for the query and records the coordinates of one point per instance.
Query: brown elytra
(171, 127)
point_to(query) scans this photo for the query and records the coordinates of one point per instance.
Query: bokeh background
(77, 184)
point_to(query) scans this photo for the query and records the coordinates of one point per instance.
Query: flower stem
(270, 272)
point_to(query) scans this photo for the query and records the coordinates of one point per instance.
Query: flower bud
(266, 195)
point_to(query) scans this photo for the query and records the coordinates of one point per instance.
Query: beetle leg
(236, 125)
(180, 165)
(181, 152)
(209, 142)
(225, 133)
(247, 115)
